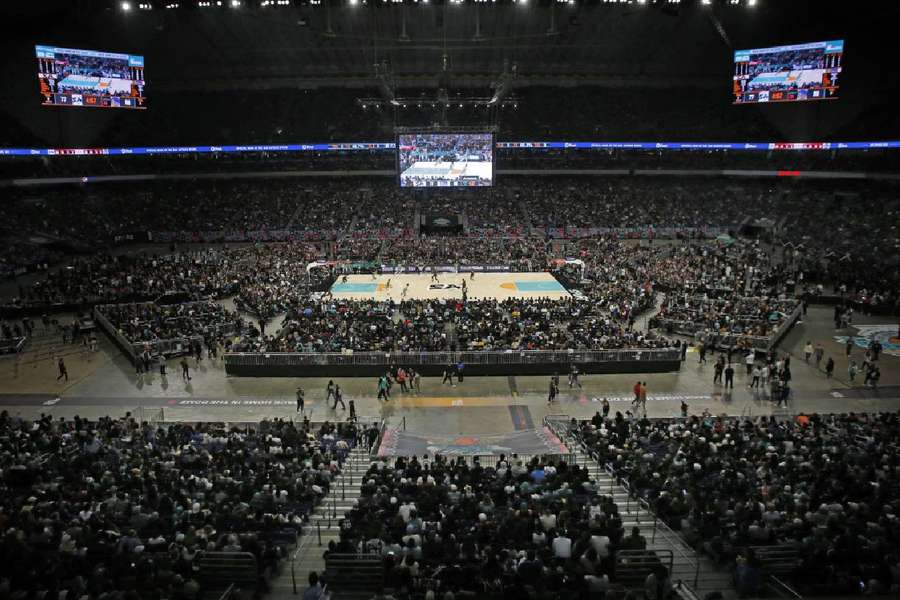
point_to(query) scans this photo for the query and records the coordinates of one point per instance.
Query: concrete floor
(104, 383)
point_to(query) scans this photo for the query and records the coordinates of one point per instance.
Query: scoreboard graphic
(788, 73)
(70, 77)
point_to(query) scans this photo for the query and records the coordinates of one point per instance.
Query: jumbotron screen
(70, 77)
(788, 73)
(445, 159)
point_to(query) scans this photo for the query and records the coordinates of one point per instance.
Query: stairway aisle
(685, 559)
(323, 521)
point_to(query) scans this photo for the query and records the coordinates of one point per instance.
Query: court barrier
(429, 364)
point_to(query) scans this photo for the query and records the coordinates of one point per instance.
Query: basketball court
(421, 286)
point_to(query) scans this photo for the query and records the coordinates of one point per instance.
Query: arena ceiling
(303, 44)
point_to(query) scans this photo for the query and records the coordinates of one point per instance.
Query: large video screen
(788, 73)
(445, 159)
(70, 77)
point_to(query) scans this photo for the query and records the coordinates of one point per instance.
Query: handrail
(472, 357)
(784, 587)
(302, 544)
(228, 592)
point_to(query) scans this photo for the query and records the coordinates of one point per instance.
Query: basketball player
(405, 290)
(434, 275)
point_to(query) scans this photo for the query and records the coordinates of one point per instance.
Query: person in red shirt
(637, 394)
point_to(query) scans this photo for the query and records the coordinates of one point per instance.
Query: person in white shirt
(562, 546)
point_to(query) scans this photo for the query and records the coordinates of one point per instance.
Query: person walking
(401, 379)
(684, 409)
(637, 394)
(161, 362)
(460, 367)
(554, 389)
(807, 351)
(338, 397)
(829, 368)
(448, 375)
(820, 354)
(185, 369)
(702, 350)
(329, 391)
(644, 398)
(383, 388)
(301, 401)
(852, 370)
(717, 373)
(729, 377)
(416, 379)
(755, 374)
(749, 360)
(63, 372)
(605, 405)
(352, 410)
(848, 348)
(573, 377)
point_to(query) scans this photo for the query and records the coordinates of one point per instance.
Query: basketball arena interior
(449, 299)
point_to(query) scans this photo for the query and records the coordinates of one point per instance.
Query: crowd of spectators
(440, 325)
(519, 529)
(115, 508)
(149, 322)
(725, 289)
(825, 485)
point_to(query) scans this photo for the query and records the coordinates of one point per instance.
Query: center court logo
(866, 334)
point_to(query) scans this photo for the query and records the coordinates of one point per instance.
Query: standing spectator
(185, 369)
(749, 360)
(460, 367)
(416, 378)
(644, 398)
(702, 353)
(729, 377)
(684, 409)
(554, 389)
(352, 410)
(807, 351)
(829, 368)
(161, 361)
(329, 391)
(63, 372)
(852, 370)
(637, 394)
(849, 346)
(301, 404)
(605, 405)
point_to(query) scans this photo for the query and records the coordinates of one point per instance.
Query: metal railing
(486, 357)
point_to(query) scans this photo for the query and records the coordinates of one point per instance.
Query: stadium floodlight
(751, 2)
(705, 2)
(125, 6)
(235, 3)
(354, 2)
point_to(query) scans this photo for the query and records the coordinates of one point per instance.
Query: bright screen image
(788, 73)
(446, 159)
(70, 77)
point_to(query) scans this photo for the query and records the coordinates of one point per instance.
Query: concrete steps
(323, 527)
(686, 560)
